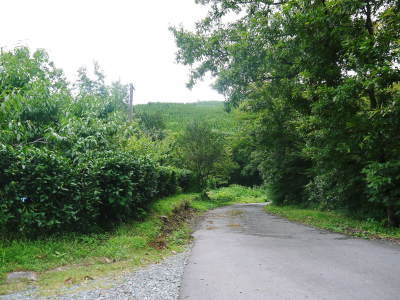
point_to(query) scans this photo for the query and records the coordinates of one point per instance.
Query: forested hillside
(192, 133)
(177, 115)
(319, 83)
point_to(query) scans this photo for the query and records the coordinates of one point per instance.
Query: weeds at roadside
(229, 195)
(337, 222)
(77, 257)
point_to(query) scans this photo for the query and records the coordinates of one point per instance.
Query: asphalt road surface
(241, 252)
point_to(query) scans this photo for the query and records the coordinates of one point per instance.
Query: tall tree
(202, 150)
(320, 75)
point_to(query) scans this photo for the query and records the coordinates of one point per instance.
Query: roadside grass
(337, 222)
(69, 259)
(232, 194)
(62, 261)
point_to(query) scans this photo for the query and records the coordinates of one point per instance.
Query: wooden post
(130, 107)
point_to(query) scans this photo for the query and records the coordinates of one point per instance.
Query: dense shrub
(383, 181)
(6, 159)
(186, 179)
(204, 152)
(168, 181)
(70, 160)
(152, 124)
(172, 179)
(43, 192)
(39, 194)
(122, 184)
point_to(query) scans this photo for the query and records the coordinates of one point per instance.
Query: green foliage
(44, 192)
(319, 81)
(121, 184)
(126, 247)
(177, 115)
(157, 150)
(172, 180)
(337, 222)
(247, 173)
(70, 161)
(171, 150)
(32, 95)
(383, 181)
(20, 71)
(186, 179)
(237, 193)
(152, 124)
(202, 150)
(229, 195)
(91, 87)
(39, 192)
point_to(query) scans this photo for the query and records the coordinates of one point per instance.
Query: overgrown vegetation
(232, 194)
(313, 87)
(206, 139)
(67, 259)
(318, 86)
(80, 184)
(337, 222)
(205, 152)
(70, 160)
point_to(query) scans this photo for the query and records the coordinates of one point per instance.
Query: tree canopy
(321, 82)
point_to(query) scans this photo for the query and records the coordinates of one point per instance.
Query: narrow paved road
(240, 252)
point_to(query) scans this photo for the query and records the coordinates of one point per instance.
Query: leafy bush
(173, 179)
(204, 152)
(71, 161)
(186, 179)
(7, 157)
(40, 192)
(168, 181)
(152, 124)
(383, 181)
(121, 183)
(43, 192)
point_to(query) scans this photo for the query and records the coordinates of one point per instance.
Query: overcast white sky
(129, 38)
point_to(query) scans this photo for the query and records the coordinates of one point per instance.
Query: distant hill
(178, 115)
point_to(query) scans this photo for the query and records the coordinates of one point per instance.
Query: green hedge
(172, 179)
(38, 191)
(44, 192)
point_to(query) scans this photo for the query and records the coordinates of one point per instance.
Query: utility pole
(130, 107)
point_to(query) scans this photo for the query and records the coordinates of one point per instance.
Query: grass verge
(232, 194)
(63, 261)
(336, 222)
